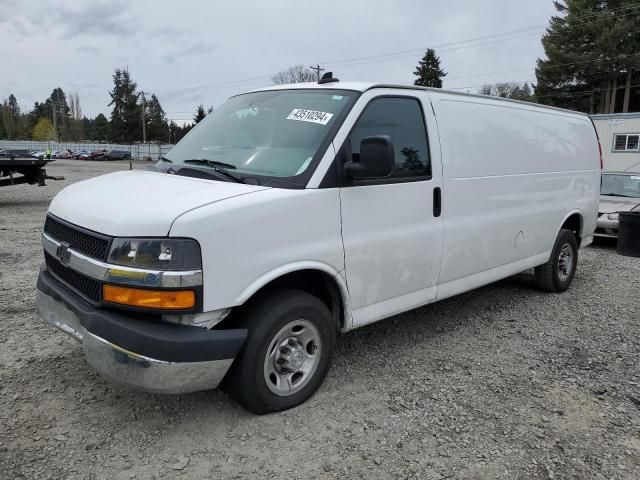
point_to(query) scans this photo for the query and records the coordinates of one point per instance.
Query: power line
(457, 45)
(444, 47)
(633, 9)
(544, 67)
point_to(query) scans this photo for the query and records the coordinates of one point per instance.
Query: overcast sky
(190, 52)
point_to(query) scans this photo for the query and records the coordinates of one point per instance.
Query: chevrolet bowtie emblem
(63, 253)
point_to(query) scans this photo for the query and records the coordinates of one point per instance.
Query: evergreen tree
(126, 116)
(592, 56)
(200, 114)
(56, 105)
(157, 127)
(176, 132)
(39, 111)
(428, 71)
(101, 128)
(3, 134)
(11, 117)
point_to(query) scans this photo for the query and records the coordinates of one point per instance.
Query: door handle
(437, 202)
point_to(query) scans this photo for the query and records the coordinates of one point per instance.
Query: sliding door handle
(437, 202)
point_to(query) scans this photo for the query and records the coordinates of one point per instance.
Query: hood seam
(210, 203)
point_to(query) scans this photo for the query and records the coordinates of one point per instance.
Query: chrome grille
(89, 243)
(86, 286)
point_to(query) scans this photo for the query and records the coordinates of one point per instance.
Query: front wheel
(287, 354)
(556, 275)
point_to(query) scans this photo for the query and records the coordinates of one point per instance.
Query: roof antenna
(327, 78)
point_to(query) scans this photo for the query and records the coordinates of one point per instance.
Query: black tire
(264, 319)
(550, 277)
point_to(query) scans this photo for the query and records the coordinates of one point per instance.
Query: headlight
(156, 254)
(612, 216)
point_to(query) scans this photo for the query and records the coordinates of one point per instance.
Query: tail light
(601, 161)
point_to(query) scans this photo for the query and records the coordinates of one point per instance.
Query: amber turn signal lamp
(160, 299)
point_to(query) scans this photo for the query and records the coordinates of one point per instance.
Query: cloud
(195, 49)
(198, 51)
(88, 49)
(97, 18)
(17, 26)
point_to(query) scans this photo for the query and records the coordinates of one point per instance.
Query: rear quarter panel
(512, 174)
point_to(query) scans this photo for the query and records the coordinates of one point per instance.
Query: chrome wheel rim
(565, 262)
(292, 358)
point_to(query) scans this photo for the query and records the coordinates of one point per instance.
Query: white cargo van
(296, 212)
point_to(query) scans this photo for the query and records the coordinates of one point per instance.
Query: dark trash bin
(629, 234)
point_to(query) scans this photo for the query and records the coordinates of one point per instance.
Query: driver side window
(401, 118)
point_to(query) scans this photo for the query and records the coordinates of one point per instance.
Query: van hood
(612, 204)
(139, 203)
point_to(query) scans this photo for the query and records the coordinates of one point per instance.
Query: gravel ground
(502, 382)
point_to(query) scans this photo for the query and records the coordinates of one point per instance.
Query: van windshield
(621, 185)
(274, 136)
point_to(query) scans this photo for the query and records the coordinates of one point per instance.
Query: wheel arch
(574, 221)
(315, 278)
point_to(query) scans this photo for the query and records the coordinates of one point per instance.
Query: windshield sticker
(312, 116)
(337, 97)
(635, 178)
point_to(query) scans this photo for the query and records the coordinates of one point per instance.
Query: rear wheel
(556, 275)
(287, 354)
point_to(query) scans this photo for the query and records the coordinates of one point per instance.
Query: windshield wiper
(619, 195)
(164, 159)
(211, 163)
(218, 167)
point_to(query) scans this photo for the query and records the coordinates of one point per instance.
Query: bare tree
(77, 114)
(486, 90)
(294, 74)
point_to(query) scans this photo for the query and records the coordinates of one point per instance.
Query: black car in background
(118, 155)
(15, 152)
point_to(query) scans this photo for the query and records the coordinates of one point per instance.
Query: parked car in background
(79, 153)
(98, 155)
(63, 154)
(15, 152)
(119, 154)
(619, 192)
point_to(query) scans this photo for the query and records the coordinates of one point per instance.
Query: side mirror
(377, 159)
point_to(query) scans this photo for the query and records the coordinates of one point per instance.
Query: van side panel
(512, 174)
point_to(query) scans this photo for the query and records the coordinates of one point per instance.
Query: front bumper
(138, 352)
(606, 228)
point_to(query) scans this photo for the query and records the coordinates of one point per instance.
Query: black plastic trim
(437, 202)
(143, 336)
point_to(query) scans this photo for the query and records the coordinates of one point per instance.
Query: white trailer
(619, 135)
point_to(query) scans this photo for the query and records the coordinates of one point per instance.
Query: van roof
(364, 86)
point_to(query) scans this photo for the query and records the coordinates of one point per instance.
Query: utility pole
(144, 127)
(318, 69)
(55, 116)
